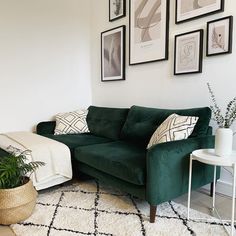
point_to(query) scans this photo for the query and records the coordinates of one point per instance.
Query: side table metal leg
(214, 190)
(233, 201)
(189, 185)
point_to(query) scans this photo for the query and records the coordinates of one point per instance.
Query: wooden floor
(201, 201)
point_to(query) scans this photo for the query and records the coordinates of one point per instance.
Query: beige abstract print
(116, 8)
(218, 38)
(187, 56)
(112, 55)
(147, 20)
(191, 5)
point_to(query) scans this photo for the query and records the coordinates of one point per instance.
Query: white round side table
(209, 157)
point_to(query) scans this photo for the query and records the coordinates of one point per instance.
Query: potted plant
(17, 193)
(224, 134)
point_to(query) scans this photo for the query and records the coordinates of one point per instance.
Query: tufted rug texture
(88, 208)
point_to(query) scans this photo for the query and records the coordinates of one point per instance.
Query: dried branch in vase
(230, 116)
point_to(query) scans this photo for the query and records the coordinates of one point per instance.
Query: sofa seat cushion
(76, 140)
(120, 159)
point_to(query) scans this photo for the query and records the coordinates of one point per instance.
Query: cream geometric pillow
(71, 122)
(174, 128)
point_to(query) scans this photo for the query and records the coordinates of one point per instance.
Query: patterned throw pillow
(71, 122)
(174, 128)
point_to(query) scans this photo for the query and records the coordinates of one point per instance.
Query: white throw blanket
(56, 156)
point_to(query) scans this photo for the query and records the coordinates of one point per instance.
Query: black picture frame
(196, 15)
(113, 54)
(219, 45)
(188, 53)
(111, 7)
(163, 46)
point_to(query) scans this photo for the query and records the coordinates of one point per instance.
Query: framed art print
(113, 54)
(117, 9)
(190, 9)
(219, 36)
(149, 31)
(188, 52)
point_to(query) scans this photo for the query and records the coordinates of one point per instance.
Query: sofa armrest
(46, 127)
(168, 169)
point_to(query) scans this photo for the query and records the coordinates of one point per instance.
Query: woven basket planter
(17, 204)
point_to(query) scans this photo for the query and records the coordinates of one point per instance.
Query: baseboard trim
(222, 187)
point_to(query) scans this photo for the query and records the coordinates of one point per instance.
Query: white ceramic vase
(223, 142)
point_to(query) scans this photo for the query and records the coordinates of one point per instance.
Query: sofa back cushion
(142, 122)
(106, 122)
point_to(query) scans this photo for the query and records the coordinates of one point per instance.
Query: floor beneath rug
(87, 208)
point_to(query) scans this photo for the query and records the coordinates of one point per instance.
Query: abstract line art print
(149, 21)
(219, 36)
(113, 54)
(190, 9)
(146, 25)
(188, 52)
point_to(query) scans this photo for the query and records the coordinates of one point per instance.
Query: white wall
(45, 52)
(44, 60)
(153, 84)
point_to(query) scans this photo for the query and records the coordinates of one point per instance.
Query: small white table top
(208, 156)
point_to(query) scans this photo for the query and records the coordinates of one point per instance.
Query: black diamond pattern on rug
(87, 208)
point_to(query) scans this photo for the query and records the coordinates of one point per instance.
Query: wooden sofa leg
(153, 210)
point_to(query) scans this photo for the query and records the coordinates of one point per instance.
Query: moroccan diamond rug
(87, 208)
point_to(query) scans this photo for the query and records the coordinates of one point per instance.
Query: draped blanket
(55, 155)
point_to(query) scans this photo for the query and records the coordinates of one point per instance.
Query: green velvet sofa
(115, 152)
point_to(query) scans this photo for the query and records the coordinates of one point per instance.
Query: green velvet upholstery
(168, 169)
(110, 180)
(106, 122)
(3, 153)
(142, 122)
(115, 151)
(46, 127)
(209, 130)
(77, 140)
(120, 159)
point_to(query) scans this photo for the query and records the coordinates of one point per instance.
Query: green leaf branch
(223, 121)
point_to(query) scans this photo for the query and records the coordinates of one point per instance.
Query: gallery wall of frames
(149, 35)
